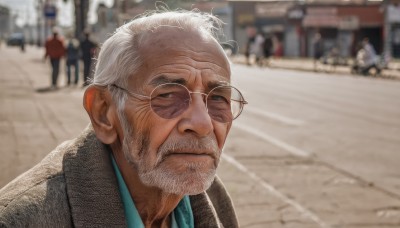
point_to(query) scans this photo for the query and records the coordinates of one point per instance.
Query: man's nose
(196, 119)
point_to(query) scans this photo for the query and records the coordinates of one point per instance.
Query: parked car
(16, 39)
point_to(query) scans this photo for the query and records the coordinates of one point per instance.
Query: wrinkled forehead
(173, 45)
(174, 37)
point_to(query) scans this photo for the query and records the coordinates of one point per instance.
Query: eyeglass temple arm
(242, 101)
(129, 92)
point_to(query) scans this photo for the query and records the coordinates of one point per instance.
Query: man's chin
(187, 183)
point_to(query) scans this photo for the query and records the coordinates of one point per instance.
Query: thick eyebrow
(213, 84)
(164, 79)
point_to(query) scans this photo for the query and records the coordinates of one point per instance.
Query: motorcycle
(375, 69)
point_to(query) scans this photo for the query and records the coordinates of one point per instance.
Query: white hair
(119, 57)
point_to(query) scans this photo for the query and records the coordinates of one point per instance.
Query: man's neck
(154, 205)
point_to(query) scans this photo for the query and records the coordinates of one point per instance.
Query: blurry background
(318, 145)
(342, 23)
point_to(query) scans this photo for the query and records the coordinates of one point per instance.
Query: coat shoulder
(222, 203)
(44, 204)
(38, 196)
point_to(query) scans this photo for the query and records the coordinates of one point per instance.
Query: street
(309, 150)
(329, 142)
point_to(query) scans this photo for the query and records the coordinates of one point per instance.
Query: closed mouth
(194, 153)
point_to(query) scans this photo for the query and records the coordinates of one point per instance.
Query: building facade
(392, 32)
(4, 21)
(342, 24)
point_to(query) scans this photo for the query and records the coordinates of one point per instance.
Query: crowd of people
(73, 51)
(262, 46)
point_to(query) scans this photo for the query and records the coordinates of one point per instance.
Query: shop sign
(323, 11)
(295, 14)
(393, 13)
(273, 28)
(349, 23)
(245, 19)
(321, 21)
(270, 10)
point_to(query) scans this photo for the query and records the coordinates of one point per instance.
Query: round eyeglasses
(224, 103)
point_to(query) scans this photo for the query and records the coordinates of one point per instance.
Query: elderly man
(161, 106)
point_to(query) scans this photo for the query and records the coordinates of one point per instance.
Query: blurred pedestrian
(370, 57)
(22, 44)
(249, 44)
(55, 50)
(277, 47)
(251, 33)
(254, 49)
(258, 49)
(88, 48)
(318, 49)
(72, 58)
(267, 47)
(359, 60)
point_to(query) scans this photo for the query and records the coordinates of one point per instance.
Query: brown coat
(55, 48)
(75, 186)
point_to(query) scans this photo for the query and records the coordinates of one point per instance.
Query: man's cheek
(143, 114)
(160, 131)
(221, 133)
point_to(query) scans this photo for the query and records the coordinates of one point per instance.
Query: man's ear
(102, 112)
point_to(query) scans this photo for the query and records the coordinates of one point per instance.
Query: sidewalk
(307, 64)
(33, 120)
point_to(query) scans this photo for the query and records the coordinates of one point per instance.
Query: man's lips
(191, 154)
(190, 157)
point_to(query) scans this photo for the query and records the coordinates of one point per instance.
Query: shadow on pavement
(46, 89)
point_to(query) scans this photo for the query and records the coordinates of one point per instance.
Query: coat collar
(93, 193)
(91, 184)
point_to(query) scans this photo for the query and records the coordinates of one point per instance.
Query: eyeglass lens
(224, 103)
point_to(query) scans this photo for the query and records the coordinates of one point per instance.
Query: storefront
(268, 18)
(393, 17)
(294, 33)
(343, 27)
(243, 27)
(367, 22)
(271, 21)
(323, 20)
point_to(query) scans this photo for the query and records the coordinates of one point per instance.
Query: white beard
(188, 183)
(191, 182)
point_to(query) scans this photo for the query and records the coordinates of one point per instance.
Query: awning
(268, 10)
(321, 21)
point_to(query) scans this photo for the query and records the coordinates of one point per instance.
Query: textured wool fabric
(75, 186)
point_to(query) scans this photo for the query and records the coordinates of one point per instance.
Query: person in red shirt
(55, 50)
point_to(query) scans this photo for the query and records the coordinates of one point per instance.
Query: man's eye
(219, 98)
(166, 95)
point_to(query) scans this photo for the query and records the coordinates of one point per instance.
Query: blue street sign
(50, 11)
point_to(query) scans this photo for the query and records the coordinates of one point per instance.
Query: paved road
(310, 150)
(329, 142)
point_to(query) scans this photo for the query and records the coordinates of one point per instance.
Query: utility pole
(39, 10)
(81, 9)
(387, 35)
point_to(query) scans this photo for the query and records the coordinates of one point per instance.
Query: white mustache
(193, 145)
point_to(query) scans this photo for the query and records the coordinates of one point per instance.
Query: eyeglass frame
(243, 102)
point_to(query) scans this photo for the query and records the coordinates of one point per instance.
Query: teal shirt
(182, 216)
